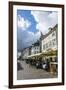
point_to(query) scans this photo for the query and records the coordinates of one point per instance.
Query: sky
(30, 25)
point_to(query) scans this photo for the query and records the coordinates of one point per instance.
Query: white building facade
(49, 49)
(49, 41)
(35, 50)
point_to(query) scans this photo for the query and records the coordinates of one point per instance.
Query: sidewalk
(30, 72)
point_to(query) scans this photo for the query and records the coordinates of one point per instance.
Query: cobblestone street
(31, 72)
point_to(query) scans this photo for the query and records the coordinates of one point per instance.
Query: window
(50, 43)
(54, 42)
(46, 45)
(43, 47)
(35, 52)
(37, 47)
(54, 39)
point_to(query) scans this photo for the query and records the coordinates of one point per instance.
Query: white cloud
(42, 27)
(45, 20)
(22, 23)
(26, 38)
(37, 35)
(53, 17)
(39, 15)
(32, 37)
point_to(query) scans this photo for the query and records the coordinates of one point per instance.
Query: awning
(35, 55)
(48, 53)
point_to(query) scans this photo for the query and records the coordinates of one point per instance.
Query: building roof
(50, 31)
(36, 43)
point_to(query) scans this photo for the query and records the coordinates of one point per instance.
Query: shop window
(56, 59)
(51, 59)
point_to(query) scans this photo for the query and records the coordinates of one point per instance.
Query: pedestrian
(44, 65)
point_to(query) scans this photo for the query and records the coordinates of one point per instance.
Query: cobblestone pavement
(31, 72)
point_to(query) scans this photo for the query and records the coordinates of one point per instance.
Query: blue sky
(26, 14)
(31, 23)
